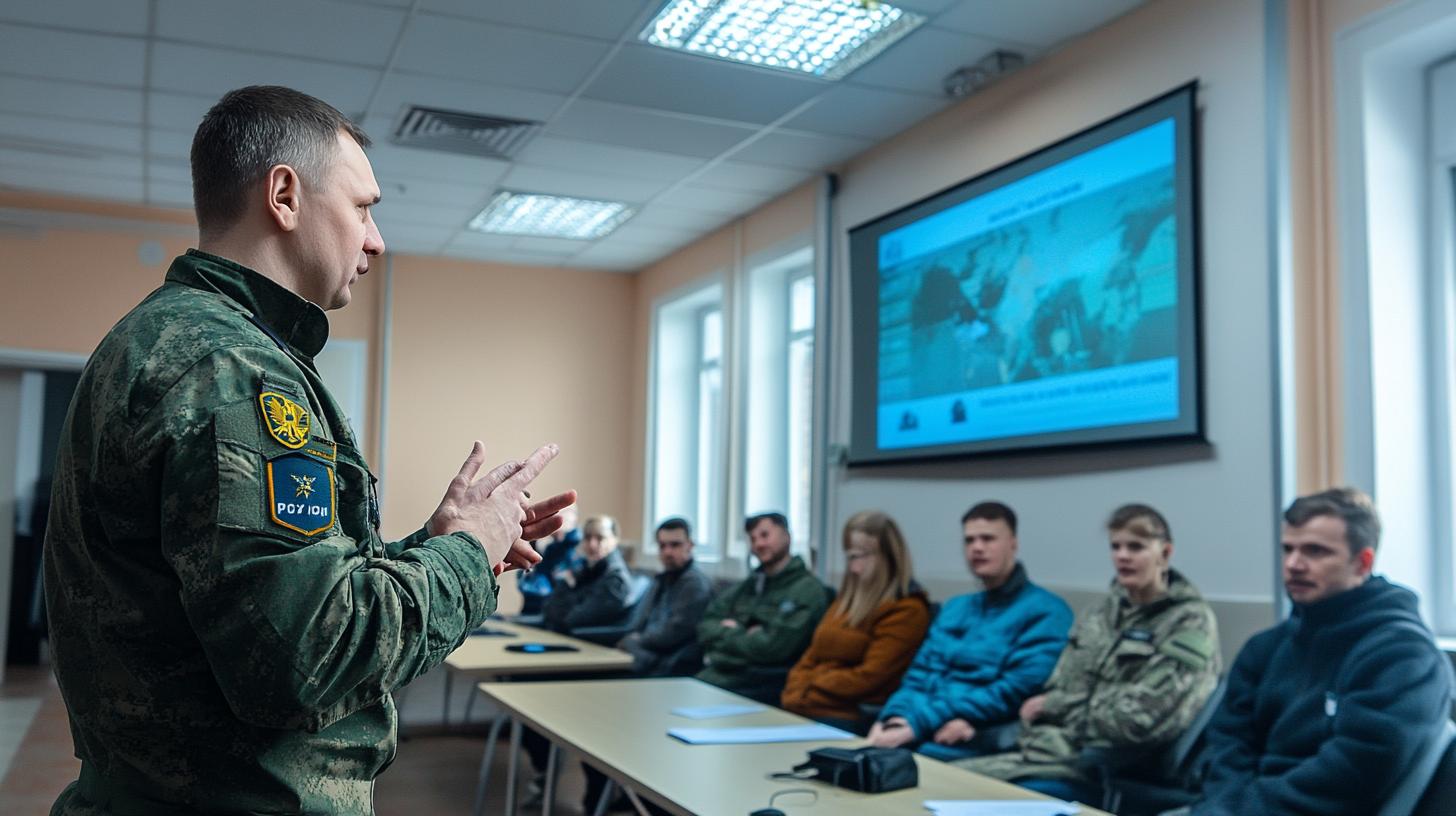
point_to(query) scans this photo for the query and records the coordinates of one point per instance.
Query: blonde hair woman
(869, 635)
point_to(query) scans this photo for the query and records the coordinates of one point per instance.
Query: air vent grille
(473, 134)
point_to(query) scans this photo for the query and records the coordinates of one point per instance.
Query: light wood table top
(487, 654)
(621, 727)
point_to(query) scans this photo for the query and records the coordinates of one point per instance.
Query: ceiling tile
(359, 35)
(108, 17)
(1040, 23)
(600, 19)
(564, 247)
(167, 172)
(67, 136)
(400, 89)
(212, 72)
(574, 154)
(168, 194)
(71, 100)
(480, 242)
(634, 127)
(646, 234)
(808, 151)
(417, 239)
(843, 112)
(712, 199)
(920, 62)
(672, 217)
(535, 179)
(112, 166)
(616, 259)
(175, 144)
(181, 112)
(658, 78)
(392, 211)
(753, 178)
(448, 46)
(110, 189)
(438, 193)
(929, 8)
(403, 165)
(47, 54)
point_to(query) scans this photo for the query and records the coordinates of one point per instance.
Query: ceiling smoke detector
(969, 79)
(474, 134)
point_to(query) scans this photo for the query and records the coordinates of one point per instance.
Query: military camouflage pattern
(1130, 676)
(212, 659)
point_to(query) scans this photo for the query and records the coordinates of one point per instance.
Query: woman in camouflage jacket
(1136, 670)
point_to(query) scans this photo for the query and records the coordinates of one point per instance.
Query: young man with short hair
(1327, 710)
(753, 633)
(665, 644)
(986, 652)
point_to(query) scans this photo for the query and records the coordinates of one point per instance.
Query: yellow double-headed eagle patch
(286, 421)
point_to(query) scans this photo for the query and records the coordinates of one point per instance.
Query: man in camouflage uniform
(1133, 675)
(227, 623)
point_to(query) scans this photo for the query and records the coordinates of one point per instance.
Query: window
(779, 391)
(686, 424)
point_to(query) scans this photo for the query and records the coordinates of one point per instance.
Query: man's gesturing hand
(496, 508)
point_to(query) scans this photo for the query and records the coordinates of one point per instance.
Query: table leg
(608, 791)
(548, 794)
(636, 803)
(449, 686)
(514, 762)
(485, 762)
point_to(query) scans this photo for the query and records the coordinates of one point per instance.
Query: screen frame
(1180, 104)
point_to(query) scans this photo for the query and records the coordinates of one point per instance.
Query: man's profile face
(1317, 562)
(337, 234)
(769, 542)
(990, 549)
(674, 549)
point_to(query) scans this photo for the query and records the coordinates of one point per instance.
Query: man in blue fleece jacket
(1325, 711)
(985, 654)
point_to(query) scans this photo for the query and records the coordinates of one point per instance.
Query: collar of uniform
(300, 324)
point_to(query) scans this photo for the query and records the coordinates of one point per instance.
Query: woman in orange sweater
(869, 635)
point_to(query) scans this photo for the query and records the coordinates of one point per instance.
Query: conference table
(620, 727)
(487, 653)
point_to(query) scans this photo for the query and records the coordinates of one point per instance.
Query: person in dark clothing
(1325, 711)
(557, 551)
(666, 643)
(594, 591)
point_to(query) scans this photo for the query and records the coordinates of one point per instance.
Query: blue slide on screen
(1048, 304)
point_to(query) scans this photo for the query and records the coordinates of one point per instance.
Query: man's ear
(1367, 561)
(285, 196)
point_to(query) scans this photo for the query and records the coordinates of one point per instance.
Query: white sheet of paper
(810, 732)
(986, 807)
(710, 712)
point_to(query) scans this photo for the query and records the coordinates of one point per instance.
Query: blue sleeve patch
(301, 493)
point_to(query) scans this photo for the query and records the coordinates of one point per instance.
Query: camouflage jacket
(226, 621)
(1130, 675)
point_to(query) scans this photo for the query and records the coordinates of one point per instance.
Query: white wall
(1220, 498)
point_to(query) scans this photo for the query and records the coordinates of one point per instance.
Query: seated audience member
(1137, 669)
(557, 551)
(1325, 711)
(595, 591)
(986, 652)
(870, 634)
(753, 632)
(666, 641)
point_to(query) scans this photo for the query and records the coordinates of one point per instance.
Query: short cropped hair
(992, 511)
(251, 130)
(1140, 519)
(1353, 506)
(677, 523)
(776, 518)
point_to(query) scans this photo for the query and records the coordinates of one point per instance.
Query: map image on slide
(1066, 272)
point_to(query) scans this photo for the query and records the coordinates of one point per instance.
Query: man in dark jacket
(754, 632)
(665, 643)
(1326, 711)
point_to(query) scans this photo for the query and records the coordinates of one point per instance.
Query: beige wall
(516, 357)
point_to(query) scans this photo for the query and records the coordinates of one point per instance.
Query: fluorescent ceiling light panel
(550, 216)
(823, 38)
